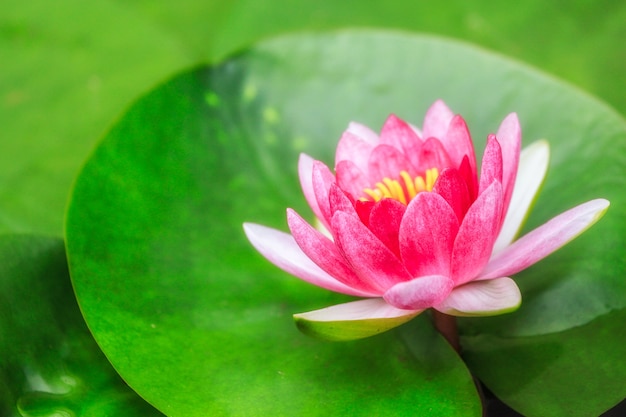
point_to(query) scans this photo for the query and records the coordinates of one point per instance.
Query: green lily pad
(198, 323)
(49, 363)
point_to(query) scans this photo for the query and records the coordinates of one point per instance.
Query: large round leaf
(198, 323)
(49, 363)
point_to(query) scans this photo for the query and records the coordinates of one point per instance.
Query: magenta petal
(372, 261)
(384, 222)
(432, 154)
(477, 233)
(427, 233)
(510, 138)
(452, 187)
(419, 293)
(351, 179)
(355, 149)
(281, 249)
(364, 209)
(339, 201)
(399, 134)
(491, 169)
(323, 252)
(437, 120)
(322, 181)
(482, 298)
(545, 239)
(469, 176)
(387, 162)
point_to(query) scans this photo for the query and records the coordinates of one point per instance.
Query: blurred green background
(69, 68)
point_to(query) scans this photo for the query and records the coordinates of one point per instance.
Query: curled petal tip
(353, 320)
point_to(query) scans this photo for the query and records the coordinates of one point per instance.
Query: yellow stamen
(404, 189)
(408, 183)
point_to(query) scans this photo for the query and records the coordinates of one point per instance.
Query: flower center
(403, 189)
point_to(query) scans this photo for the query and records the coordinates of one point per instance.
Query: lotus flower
(408, 224)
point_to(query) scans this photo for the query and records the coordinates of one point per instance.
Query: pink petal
(339, 201)
(431, 155)
(322, 180)
(427, 233)
(477, 233)
(363, 132)
(399, 134)
(510, 138)
(491, 169)
(452, 187)
(458, 143)
(530, 175)
(482, 298)
(419, 293)
(372, 261)
(469, 176)
(387, 162)
(282, 250)
(352, 148)
(384, 222)
(545, 239)
(305, 173)
(351, 179)
(354, 320)
(323, 252)
(437, 120)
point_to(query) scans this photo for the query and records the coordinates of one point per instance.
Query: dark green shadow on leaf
(49, 363)
(584, 359)
(155, 223)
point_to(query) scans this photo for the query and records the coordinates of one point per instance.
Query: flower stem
(446, 325)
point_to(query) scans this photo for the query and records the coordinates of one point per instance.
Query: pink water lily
(407, 223)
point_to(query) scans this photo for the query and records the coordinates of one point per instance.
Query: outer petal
(510, 138)
(545, 239)
(282, 250)
(305, 172)
(354, 320)
(474, 242)
(482, 298)
(437, 120)
(427, 234)
(372, 261)
(532, 170)
(323, 252)
(419, 293)
(322, 181)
